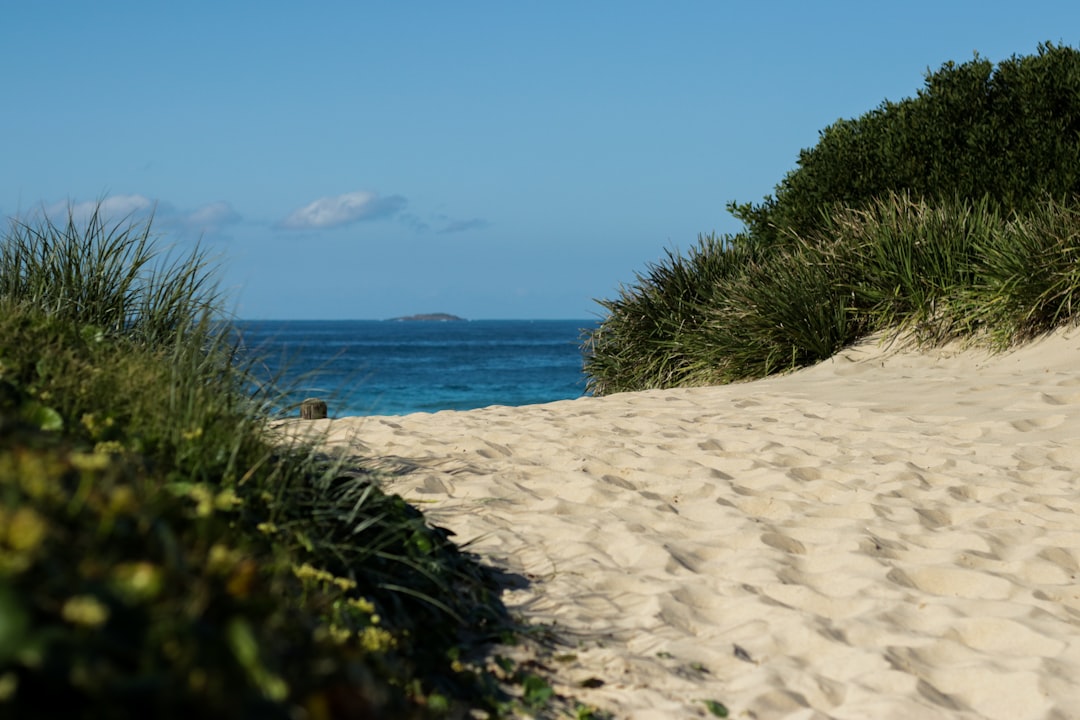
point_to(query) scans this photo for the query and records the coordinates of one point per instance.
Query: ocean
(387, 367)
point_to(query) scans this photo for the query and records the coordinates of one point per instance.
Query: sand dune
(889, 534)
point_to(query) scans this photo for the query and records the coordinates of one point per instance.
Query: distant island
(429, 317)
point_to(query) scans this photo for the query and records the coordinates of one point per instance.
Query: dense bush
(935, 271)
(160, 554)
(1009, 133)
(951, 214)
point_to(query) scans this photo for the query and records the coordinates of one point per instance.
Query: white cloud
(120, 209)
(328, 212)
(210, 218)
(117, 206)
(111, 209)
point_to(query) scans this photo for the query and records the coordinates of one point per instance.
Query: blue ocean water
(376, 367)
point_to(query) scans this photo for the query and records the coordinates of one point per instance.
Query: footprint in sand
(495, 451)
(784, 543)
(1001, 636)
(953, 582)
(1042, 423)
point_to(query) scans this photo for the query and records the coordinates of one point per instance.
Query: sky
(367, 160)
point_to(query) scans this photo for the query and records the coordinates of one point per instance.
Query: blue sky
(487, 159)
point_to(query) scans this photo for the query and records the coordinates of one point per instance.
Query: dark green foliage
(125, 595)
(1010, 133)
(952, 214)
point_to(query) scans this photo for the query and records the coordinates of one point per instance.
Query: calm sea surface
(375, 367)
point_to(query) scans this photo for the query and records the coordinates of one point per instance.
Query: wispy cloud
(415, 222)
(210, 218)
(442, 224)
(113, 208)
(328, 212)
(206, 219)
(456, 226)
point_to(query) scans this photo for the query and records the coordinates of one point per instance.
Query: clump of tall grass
(656, 330)
(1029, 274)
(108, 275)
(732, 310)
(160, 554)
(909, 266)
(931, 271)
(960, 270)
(783, 312)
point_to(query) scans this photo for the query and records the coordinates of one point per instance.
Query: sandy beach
(890, 534)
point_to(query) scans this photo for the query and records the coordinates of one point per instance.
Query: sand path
(885, 535)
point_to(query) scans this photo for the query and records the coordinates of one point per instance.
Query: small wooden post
(313, 409)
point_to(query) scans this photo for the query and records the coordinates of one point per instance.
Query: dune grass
(952, 214)
(734, 309)
(109, 275)
(162, 556)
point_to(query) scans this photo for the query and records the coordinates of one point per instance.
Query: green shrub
(1010, 133)
(949, 215)
(161, 555)
(905, 263)
(959, 270)
(730, 311)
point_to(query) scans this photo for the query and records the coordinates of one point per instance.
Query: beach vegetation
(953, 215)
(1009, 133)
(163, 553)
(716, 708)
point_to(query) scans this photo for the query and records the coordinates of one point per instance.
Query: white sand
(886, 535)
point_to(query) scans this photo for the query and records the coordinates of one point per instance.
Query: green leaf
(92, 334)
(716, 708)
(14, 625)
(243, 644)
(245, 647)
(536, 690)
(42, 416)
(438, 703)
(421, 542)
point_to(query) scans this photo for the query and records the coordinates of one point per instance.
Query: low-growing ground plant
(162, 555)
